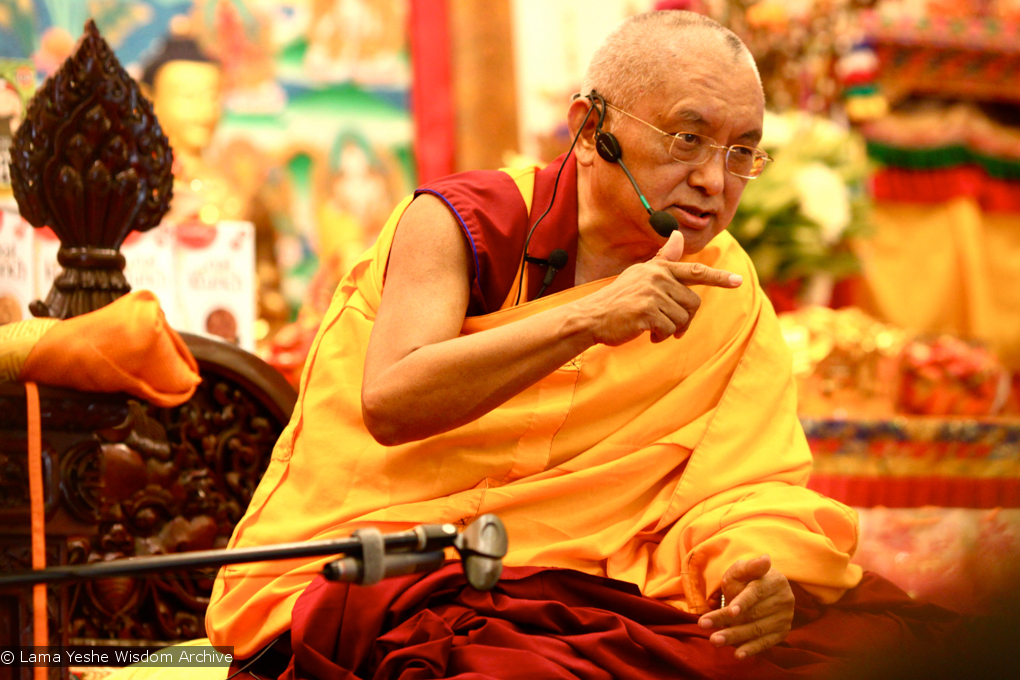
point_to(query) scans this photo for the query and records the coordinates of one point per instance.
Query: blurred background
(887, 232)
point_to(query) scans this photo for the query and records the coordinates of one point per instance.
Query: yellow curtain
(946, 268)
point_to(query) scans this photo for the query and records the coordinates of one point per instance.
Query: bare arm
(421, 378)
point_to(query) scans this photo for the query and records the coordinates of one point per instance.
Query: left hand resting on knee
(758, 611)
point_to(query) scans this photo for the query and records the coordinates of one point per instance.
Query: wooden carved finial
(91, 162)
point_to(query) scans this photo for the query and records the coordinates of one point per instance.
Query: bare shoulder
(427, 285)
(428, 240)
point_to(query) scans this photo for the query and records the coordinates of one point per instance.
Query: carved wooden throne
(122, 477)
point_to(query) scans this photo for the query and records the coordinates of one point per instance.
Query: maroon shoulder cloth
(559, 623)
(491, 212)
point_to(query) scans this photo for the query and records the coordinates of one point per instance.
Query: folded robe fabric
(656, 464)
(125, 346)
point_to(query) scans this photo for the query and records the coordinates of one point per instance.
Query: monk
(630, 417)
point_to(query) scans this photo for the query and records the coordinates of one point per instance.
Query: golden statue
(185, 87)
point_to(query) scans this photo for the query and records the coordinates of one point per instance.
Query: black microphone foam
(558, 258)
(557, 261)
(663, 223)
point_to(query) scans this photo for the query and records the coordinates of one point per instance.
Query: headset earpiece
(606, 143)
(608, 146)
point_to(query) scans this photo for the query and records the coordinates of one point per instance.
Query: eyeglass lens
(742, 161)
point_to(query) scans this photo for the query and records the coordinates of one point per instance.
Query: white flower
(823, 199)
(778, 130)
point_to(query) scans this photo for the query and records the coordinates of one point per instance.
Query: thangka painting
(17, 84)
(311, 133)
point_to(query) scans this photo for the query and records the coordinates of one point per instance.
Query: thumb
(674, 248)
(745, 571)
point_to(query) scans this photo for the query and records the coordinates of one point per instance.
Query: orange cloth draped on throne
(656, 464)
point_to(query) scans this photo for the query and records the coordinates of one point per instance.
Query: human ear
(584, 150)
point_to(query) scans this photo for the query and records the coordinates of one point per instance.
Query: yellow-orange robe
(657, 464)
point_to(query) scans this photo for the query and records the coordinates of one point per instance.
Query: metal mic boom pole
(426, 538)
(190, 560)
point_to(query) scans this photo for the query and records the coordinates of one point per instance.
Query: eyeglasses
(694, 149)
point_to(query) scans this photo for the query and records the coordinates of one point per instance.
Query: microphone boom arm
(644, 201)
(426, 539)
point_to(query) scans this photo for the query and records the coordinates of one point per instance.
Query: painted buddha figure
(184, 84)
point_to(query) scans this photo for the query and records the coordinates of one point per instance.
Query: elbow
(381, 421)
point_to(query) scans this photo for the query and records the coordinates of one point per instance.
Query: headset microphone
(608, 147)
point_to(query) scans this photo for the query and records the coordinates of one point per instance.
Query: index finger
(698, 274)
(719, 618)
(737, 610)
(753, 598)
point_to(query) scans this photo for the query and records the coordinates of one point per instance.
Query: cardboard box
(216, 280)
(47, 269)
(151, 265)
(17, 287)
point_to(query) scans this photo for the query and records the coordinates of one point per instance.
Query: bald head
(637, 56)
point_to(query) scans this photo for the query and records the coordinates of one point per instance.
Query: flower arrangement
(796, 220)
(948, 376)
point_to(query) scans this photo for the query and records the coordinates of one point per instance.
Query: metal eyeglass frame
(758, 153)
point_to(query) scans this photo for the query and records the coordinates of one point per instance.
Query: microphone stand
(369, 556)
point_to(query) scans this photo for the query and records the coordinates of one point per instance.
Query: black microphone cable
(552, 199)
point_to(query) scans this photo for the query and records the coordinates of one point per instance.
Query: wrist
(587, 321)
(579, 326)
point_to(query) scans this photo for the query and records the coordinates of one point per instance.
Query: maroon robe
(559, 623)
